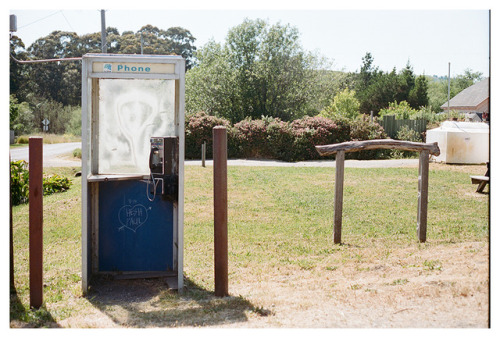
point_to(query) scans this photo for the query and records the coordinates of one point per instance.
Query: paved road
(55, 155)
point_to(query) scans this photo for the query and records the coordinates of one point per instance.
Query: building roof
(471, 96)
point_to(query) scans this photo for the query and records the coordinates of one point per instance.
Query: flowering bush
(198, 129)
(311, 131)
(250, 138)
(273, 138)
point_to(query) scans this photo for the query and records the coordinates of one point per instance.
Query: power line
(67, 21)
(39, 19)
(45, 60)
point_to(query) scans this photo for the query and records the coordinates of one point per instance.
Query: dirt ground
(450, 291)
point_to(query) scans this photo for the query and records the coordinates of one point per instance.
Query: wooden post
(339, 196)
(11, 235)
(36, 221)
(220, 211)
(203, 153)
(423, 192)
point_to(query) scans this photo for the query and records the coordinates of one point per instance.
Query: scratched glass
(131, 111)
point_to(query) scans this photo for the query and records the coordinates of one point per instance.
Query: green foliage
(401, 110)
(406, 134)
(376, 89)
(74, 125)
(23, 139)
(261, 70)
(344, 104)
(19, 183)
(21, 117)
(55, 183)
(77, 153)
(61, 81)
(438, 87)
(418, 96)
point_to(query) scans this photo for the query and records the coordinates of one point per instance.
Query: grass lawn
(282, 260)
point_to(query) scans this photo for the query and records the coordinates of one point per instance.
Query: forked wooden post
(340, 149)
(339, 196)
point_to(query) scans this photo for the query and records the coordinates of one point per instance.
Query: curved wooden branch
(353, 146)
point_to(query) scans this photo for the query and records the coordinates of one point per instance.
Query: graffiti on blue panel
(132, 216)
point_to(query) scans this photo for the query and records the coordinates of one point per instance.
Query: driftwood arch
(425, 149)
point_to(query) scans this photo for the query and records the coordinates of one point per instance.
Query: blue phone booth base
(134, 233)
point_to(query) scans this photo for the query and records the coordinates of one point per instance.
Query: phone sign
(107, 67)
(138, 68)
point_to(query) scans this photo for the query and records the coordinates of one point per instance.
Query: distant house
(474, 99)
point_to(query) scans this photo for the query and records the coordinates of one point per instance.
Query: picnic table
(481, 181)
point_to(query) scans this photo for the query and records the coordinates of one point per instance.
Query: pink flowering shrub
(273, 138)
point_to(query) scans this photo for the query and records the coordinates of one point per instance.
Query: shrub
(251, 138)
(55, 183)
(363, 129)
(401, 110)
(406, 134)
(22, 139)
(311, 131)
(280, 140)
(19, 183)
(198, 130)
(343, 104)
(77, 153)
(287, 141)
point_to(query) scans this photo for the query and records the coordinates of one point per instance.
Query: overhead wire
(45, 60)
(45, 17)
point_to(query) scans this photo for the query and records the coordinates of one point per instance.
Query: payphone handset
(163, 166)
(156, 160)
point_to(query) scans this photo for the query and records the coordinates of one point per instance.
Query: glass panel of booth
(130, 112)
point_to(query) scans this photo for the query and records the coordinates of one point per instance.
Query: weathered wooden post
(203, 153)
(11, 234)
(423, 193)
(36, 221)
(339, 196)
(220, 211)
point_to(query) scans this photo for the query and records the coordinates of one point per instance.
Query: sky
(426, 37)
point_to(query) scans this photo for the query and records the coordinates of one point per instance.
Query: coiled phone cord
(155, 183)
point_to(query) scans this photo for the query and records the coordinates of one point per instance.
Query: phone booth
(132, 166)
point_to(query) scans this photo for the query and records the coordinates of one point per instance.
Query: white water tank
(461, 142)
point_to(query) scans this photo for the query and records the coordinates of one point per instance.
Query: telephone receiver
(154, 158)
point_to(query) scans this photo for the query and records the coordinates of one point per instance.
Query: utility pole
(449, 81)
(103, 31)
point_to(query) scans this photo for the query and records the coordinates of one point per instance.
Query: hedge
(272, 138)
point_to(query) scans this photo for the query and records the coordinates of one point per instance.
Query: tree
(181, 43)
(61, 81)
(210, 86)
(344, 104)
(407, 82)
(267, 70)
(438, 88)
(17, 74)
(175, 40)
(418, 94)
